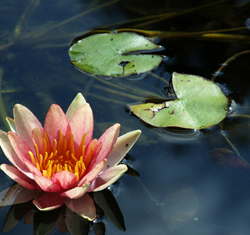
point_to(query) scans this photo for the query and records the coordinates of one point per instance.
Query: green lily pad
(200, 104)
(114, 55)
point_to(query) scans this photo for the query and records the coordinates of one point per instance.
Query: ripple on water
(178, 134)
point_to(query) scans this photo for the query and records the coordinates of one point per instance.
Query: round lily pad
(200, 104)
(115, 55)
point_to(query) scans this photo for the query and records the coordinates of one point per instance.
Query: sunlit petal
(123, 145)
(11, 123)
(64, 179)
(77, 102)
(20, 146)
(11, 154)
(108, 140)
(82, 122)
(76, 192)
(46, 184)
(37, 136)
(32, 168)
(55, 121)
(91, 175)
(18, 176)
(25, 122)
(22, 151)
(108, 177)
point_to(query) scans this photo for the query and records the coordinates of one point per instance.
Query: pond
(191, 181)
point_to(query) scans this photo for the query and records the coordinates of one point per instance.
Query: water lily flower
(61, 160)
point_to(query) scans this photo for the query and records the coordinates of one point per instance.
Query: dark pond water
(183, 188)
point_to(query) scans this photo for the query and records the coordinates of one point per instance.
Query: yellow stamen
(32, 158)
(44, 173)
(62, 156)
(77, 175)
(53, 169)
(37, 166)
(37, 150)
(88, 156)
(60, 143)
(55, 146)
(49, 171)
(65, 167)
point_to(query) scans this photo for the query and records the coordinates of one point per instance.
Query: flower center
(63, 157)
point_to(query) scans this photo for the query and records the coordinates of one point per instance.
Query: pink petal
(108, 177)
(48, 201)
(82, 122)
(11, 154)
(83, 206)
(22, 150)
(64, 179)
(108, 139)
(122, 146)
(95, 171)
(46, 184)
(37, 136)
(20, 146)
(25, 122)
(55, 120)
(77, 102)
(76, 192)
(18, 176)
(32, 168)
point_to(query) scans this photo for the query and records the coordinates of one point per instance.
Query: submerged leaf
(200, 104)
(227, 158)
(114, 55)
(179, 206)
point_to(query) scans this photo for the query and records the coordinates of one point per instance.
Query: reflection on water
(212, 199)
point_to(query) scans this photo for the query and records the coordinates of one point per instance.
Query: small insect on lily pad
(115, 55)
(200, 104)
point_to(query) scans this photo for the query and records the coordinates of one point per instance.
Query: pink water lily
(61, 160)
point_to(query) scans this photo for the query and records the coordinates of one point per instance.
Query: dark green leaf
(99, 228)
(76, 224)
(45, 221)
(107, 202)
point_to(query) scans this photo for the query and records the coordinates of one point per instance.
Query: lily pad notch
(115, 54)
(200, 104)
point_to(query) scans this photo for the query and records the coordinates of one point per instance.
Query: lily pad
(115, 55)
(200, 104)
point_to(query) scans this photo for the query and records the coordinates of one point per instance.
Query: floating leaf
(115, 54)
(200, 104)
